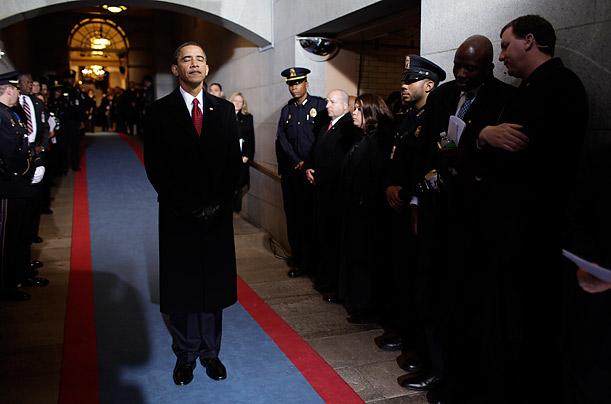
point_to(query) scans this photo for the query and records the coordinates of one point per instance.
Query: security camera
(318, 48)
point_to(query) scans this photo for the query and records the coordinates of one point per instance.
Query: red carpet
(79, 383)
(79, 378)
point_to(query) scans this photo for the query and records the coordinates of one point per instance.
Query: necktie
(330, 126)
(196, 115)
(469, 97)
(28, 115)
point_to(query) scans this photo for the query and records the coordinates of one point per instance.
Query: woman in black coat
(363, 224)
(247, 146)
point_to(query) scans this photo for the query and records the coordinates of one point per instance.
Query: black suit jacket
(192, 173)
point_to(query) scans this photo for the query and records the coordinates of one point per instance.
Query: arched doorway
(98, 52)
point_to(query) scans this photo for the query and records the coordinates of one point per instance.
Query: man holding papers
(449, 212)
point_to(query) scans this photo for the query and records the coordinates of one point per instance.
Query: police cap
(9, 78)
(295, 75)
(418, 68)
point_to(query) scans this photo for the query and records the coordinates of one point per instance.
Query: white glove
(38, 174)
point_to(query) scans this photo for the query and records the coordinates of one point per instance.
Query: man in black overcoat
(323, 173)
(531, 158)
(449, 203)
(192, 158)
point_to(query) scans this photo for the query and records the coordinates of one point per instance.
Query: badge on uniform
(313, 112)
(418, 131)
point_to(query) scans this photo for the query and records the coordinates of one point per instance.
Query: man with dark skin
(449, 225)
(300, 120)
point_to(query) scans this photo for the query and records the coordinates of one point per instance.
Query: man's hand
(392, 196)
(299, 166)
(590, 283)
(244, 159)
(310, 176)
(506, 136)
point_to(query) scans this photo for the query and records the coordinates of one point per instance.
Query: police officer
(18, 171)
(299, 122)
(419, 79)
(74, 116)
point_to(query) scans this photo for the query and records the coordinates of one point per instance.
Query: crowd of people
(40, 127)
(441, 215)
(444, 220)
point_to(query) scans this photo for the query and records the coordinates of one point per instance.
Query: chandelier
(93, 72)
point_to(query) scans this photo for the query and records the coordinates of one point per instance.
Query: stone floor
(31, 333)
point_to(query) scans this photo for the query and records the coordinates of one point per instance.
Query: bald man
(450, 226)
(323, 172)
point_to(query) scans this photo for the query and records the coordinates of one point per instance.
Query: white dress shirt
(189, 100)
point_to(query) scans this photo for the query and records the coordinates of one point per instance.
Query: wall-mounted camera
(319, 49)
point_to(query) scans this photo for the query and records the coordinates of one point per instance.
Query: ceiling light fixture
(114, 9)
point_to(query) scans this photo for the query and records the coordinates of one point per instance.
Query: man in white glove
(39, 173)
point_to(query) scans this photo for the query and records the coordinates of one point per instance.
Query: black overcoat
(247, 138)
(192, 173)
(327, 155)
(362, 252)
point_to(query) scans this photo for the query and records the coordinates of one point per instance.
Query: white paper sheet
(456, 126)
(601, 273)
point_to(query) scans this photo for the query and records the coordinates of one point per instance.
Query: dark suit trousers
(297, 199)
(195, 334)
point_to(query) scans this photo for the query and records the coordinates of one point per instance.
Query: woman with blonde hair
(247, 146)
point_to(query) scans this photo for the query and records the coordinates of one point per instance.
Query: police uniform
(400, 278)
(16, 170)
(297, 128)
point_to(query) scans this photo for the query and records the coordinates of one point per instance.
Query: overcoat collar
(183, 116)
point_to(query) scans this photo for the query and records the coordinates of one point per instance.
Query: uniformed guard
(419, 79)
(17, 173)
(299, 122)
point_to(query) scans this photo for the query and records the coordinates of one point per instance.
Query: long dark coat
(329, 150)
(363, 221)
(247, 136)
(197, 268)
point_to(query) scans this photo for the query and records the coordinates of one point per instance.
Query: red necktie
(196, 114)
(28, 115)
(330, 126)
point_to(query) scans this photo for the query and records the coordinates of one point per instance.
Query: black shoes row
(32, 281)
(183, 371)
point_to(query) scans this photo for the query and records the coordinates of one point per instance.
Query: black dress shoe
(14, 296)
(331, 297)
(389, 342)
(410, 362)
(37, 240)
(421, 382)
(183, 372)
(214, 368)
(35, 282)
(35, 264)
(295, 272)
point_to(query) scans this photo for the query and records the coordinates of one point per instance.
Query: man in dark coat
(300, 120)
(192, 159)
(531, 159)
(589, 236)
(399, 317)
(323, 173)
(448, 210)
